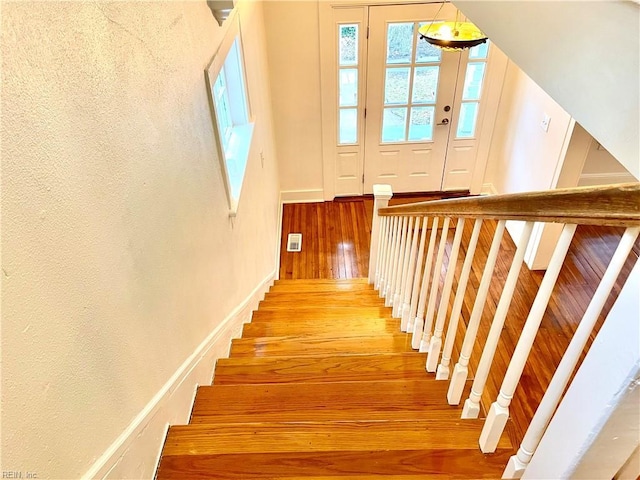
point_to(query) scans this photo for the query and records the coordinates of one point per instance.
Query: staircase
(324, 385)
(328, 381)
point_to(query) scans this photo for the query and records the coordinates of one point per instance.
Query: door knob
(445, 121)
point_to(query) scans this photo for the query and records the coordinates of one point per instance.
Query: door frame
(495, 76)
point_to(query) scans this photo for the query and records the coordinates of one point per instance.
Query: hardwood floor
(336, 238)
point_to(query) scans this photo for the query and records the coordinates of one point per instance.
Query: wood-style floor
(336, 238)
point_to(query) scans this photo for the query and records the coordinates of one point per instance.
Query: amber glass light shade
(452, 35)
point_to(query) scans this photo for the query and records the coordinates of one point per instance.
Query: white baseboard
(590, 179)
(488, 189)
(278, 246)
(135, 453)
(302, 196)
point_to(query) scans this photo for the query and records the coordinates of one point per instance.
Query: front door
(411, 87)
(397, 110)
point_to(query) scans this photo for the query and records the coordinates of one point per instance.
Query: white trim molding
(135, 453)
(302, 196)
(589, 179)
(488, 189)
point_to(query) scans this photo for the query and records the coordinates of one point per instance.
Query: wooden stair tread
(447, 448)
(301, 287)
(323, 328)
(326, 294)
(205, 439)
(303, 346)
(381, 400)
(320, 368)
(320, 281)
(320, 301)
(305, 312)
(393, 464)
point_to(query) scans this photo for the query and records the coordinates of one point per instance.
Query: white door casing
(350, 168)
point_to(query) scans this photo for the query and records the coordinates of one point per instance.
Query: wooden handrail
(612, 205)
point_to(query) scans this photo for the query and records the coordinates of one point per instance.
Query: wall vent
(294, 242)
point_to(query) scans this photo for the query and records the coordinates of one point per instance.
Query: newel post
(381, 196)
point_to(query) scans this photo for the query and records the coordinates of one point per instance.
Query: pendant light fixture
(453, 36)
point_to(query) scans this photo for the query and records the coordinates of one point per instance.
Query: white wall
(585, 54)
(523, 156)
(294, 71)
(119, 258)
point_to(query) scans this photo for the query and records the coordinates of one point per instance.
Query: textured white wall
(118, 254)
(585, 54)
(294, 71)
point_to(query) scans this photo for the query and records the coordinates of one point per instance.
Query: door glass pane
(421, 125)
(473, 81)
(425, 84)
(348, 44)
(348, 130)
(425, 52)
(467, 120)
(399, 42)
(393, 124)
(396, 86)
(479, 51)
(349, 87)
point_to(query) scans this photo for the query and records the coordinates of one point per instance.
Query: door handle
(445, 121)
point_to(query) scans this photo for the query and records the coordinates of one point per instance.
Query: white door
(411, 87)
(397, 110)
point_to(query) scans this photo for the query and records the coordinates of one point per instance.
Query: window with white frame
(232, 119)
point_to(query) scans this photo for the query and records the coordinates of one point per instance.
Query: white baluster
(518, 463)
(388, 300)
(385, 256)
(381, 195)
(435, 344)
(426, 277)
(397, 272)
(397, 281)
(416, 277)
(407, 282)
(471, 407)
(435, 285)
(461, 370)
(384, 281)
(394, 264)
(442, 372)
(382, 250)
(499, 410)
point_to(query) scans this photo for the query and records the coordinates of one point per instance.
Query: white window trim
(233, 163)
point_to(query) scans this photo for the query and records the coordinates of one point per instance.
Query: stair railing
(411, 284)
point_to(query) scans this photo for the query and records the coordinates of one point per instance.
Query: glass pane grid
(411, 84)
